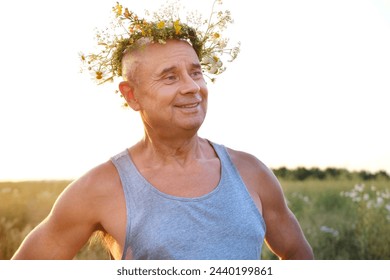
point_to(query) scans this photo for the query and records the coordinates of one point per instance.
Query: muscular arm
(284, 236)
(67, 228)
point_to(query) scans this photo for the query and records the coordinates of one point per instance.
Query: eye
(197, 74)
(170, 78)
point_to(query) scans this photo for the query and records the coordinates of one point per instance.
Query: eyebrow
(170, 69)
(167, 70)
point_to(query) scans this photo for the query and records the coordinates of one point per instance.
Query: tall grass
(25, 204)
(342, 219)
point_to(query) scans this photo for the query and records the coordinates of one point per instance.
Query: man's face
(171, 91)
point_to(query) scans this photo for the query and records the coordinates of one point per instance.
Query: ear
(127, 91)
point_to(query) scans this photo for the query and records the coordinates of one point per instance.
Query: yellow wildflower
(161, 25)
(127, 14)
(82, 57)
(118, 9)
(177, 26)
(99, 75)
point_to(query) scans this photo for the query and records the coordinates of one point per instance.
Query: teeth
(189, 106)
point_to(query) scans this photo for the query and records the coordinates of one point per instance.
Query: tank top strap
(223, 155)
(227, 163)
(232, 174)
(126, 171)
(123, 165)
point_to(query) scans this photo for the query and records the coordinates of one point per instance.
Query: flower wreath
(127, 29)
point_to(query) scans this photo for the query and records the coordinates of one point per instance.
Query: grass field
(342, 219)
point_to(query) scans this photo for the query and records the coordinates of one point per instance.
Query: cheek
(156, 98)
(204, 91)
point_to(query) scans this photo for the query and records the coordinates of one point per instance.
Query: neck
(178, 149)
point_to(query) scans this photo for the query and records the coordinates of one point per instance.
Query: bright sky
(309, 88)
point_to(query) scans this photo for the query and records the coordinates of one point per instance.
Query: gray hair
(130, 60)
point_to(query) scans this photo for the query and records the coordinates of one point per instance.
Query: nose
(189, 85)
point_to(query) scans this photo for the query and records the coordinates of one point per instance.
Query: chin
(193, 124)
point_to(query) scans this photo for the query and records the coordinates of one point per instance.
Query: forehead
(173, 52)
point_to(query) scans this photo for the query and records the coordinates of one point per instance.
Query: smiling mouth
(188, 106)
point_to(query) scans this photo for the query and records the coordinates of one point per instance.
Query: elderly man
(172, 195)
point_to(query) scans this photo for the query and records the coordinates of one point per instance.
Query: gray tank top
(221, 225)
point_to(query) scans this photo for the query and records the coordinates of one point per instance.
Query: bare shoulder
(250, 166)
(89, 193)
(101, 180)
